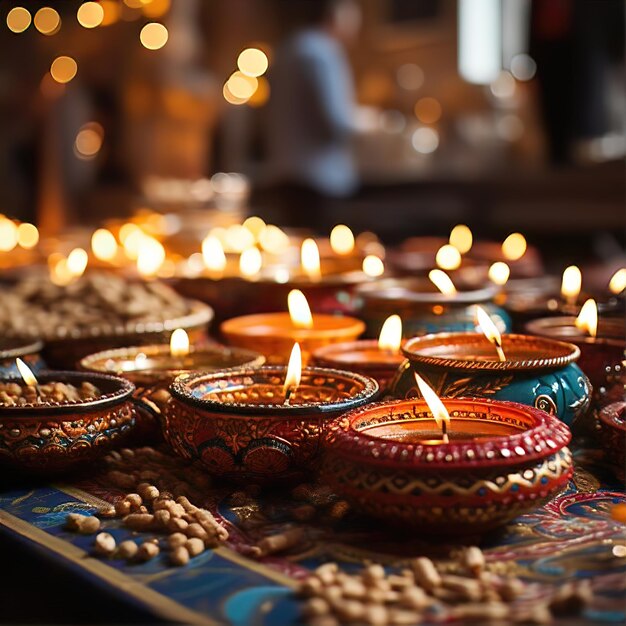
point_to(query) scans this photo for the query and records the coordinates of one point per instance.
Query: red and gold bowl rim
(538, 436)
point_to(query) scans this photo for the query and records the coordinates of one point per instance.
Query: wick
(500, 352)
(288, 394)
(444, 430)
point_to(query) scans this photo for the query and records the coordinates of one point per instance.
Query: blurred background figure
(310, 118)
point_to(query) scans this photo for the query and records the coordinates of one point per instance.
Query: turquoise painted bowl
(538, 372)
(423, 308)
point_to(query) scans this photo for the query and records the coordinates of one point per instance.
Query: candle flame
(390, 336)
(448, 257)
(435, 405)
(76, 262)
(179, 343)
(490, 330)
(103, 244)
(499, 273)
(571, 283)
(213, 254)
(618, 281)
(341, 239)
(373, 266)
(294, 370)
(587, 319)
(310, 259)
(461, 238)
(299, 310)
(250, 262)
(514, 247)
(26, 373)
(442, 281)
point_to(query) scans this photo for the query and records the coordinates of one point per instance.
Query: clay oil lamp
(530, 370)
(58, 420)
(153, 368)
(601, 341)
(378, 359)
(461, 466)
(28, 350)
(426, 305)
(263, 425)
(273, 334)
(612, 433)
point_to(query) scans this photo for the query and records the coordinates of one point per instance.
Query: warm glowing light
(427, 110)
(47, 21)
(8, 235)
(448, 257)
(442, 281)
(90, 14)
(77, 261)
(461, 238)
(131, 237)
(63, 69)
(587, 319)
(373, 266)
(514, 247)
(26, 373)
(213, 254)
(230, 98)
(490, 330)
(237, 238)
(153, 36)
(112, 10)
(18, 19)
(88, 142)
(27, 235)
(255, 225)
(261, 94)
(299, 310)
(390, 336)
(242, 86)
(150, 256)
(250, 262)
(617, 283)
(571, 283)
(103, 245)
(310, 259)
(179, 343)
(341, 239)
(59, 272)
(435, 405)
(274, 240)
(294, 371)
(499, 273)
(425, 140)
(156, 8)
(252, 62)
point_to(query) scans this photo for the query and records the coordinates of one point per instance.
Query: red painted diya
(57, 436)
(240, 425)
(612, 422)
(503, 459)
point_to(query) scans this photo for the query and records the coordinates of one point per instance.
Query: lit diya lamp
(379, 359)
(58, 420)
(273, 334)
(453, 467)
(263, 424)
(153, 367)
(426, 305)
(601, 340)
(531, 370)
(26, 349)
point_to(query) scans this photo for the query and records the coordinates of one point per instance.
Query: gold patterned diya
(496, 461)
(246, 425)
(57, 436)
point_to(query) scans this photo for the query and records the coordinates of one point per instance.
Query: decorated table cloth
(572, 537)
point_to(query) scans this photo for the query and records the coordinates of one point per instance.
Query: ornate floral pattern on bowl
(237, 423)
(538, 372)
(466, 486)
(58, 436)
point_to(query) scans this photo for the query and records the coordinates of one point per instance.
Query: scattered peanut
(127, 550)
(104, 544)
(147, 551)
(179, 556)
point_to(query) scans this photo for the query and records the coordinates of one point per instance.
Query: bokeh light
(425, 140)
(448, 257)
(514, 246)
(90, 14)
(18, 19)
(410, 76)
(8, 235)
(428, 110)
(111, 10)
(88, 141)
(461, 238)
(27, 235)
(503, 87)
(242, 86)
(252, 62)
(523, 67)
(153, 36)
(373, 266)
(47, 21)
(103, 244)
(156, 8)
(63, 69)
(262, 93)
